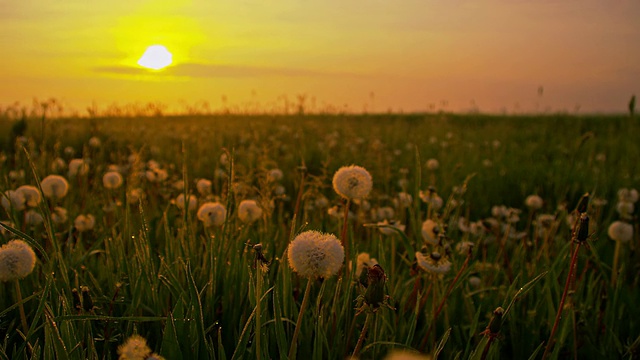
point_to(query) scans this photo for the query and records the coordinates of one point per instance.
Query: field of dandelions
(320, 237)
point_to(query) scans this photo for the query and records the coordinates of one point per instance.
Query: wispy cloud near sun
(200, 70)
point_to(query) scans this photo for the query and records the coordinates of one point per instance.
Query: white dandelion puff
(84, 223)
(135, 348)
(31, 195)
(533, 202)
(204, 187)
(13, 199)
(313, 254)
(352, 182)
(59, 215)
(54, 187)
(249, 211)
(191, 200)
(620, 231)
(433, 263)
(430, 232)
(112, 180)
(212, 214)
(78, 167)
(433, 164)
(17, 260)
(364, 260)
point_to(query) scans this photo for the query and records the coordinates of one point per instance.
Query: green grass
(195, 293)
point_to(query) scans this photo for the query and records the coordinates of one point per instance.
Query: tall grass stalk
(343, 233)
(23, 316)
(616, 263)
(567, 285)
(363, 334)
(303, 306)
(444, 299)
(258, 294)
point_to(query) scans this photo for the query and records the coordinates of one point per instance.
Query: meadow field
(149, 238)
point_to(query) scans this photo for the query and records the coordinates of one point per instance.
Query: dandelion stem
(351, 330)
(299, 197)
(343, 234)
(572, 266)
(305, 301)
(444, 299)
(485, 351)
(365, 328)
(616, 260)
(23, 317)
(258, 294)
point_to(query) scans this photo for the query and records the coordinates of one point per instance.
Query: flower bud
(496, 321)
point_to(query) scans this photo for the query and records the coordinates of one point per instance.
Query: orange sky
(411, 55)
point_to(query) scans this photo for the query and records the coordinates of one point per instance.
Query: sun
(156, 57)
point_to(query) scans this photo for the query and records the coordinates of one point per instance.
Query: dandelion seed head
(69, 151)
(364, 260)
(463, 247)
(58, 164)
(321, 201)
(220, 174)
(212, 214)
(54, 187)
(433, 164)
(533, 202)
(224, 159)
(249, 211)
(160, 175)
(84, 223)
(178, 185)
(59, 215)
(384, 213)
(404, 200)
(33, 218)
(499, 211)
(135, 195)
(433, 263)
(95, 142)
(112, 180)
(313, 254)
(432, 198)
(274, 175)
(17, 260)
(31, 195)
(352, 182)
(430, 231)
(78, 167)
(204, 187)
(135, 348)
(16, 175)
(628, 195)
(280, 190)
(13, 199)
(192, 202)
(463, 224)
(620, 231)
(625, 208)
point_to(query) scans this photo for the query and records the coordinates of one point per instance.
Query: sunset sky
(409, 55)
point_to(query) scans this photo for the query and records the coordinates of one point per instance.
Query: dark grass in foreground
(192, 292)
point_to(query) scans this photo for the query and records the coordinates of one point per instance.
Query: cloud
(197, 70)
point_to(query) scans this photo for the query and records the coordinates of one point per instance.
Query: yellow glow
(156, 57)
(148, 25)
